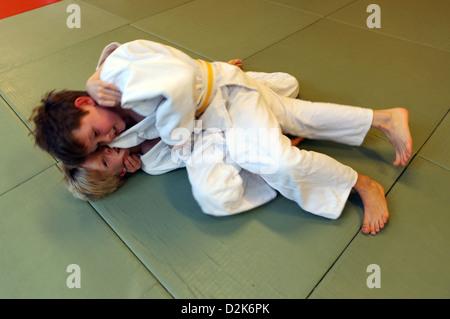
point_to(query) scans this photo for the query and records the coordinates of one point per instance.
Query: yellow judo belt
(209, 69)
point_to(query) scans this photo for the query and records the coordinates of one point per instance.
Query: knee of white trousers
(281, 83)
(220, 195)
(318, 183)
(292, 86)
(218, 203)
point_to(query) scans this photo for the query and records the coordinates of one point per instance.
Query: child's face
(108, 161)
(100, 126)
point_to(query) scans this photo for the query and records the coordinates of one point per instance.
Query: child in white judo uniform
(168, 91)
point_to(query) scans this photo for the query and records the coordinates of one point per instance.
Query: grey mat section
(150, 240)
(39, 32)
(20, 159)
(412, 252)
(44, 230)
(223, 30)
(417, 21)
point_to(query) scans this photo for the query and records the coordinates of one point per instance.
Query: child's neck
(136, 149)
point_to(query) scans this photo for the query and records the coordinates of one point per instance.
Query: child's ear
(84, 100)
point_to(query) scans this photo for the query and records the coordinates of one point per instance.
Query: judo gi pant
(239, 169)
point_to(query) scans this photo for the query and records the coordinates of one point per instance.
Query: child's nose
(110, 136)
(106, 139)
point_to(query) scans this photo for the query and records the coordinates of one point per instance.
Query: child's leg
(281, 83)
(219, 186)
(318, 183)
(315, 120)
(341, 123)
(321, 121)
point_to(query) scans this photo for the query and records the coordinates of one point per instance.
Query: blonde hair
(88, 184)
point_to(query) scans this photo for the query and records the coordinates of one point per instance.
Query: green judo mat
(150, 238)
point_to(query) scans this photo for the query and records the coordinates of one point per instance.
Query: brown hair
(88, 184)
(55, 119)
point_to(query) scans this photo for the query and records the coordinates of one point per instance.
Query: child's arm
(104, 93)
(107, 94)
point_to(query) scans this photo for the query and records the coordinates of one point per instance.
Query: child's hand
(132, 162)
(104, 93)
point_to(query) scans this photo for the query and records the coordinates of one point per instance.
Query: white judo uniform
(239, 155)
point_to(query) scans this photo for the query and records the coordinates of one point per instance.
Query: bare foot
(236, 62)
(394, 123)
(376, 211)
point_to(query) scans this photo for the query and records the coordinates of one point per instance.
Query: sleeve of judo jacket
(155, 80)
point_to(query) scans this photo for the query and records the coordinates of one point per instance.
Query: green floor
(150, 239)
